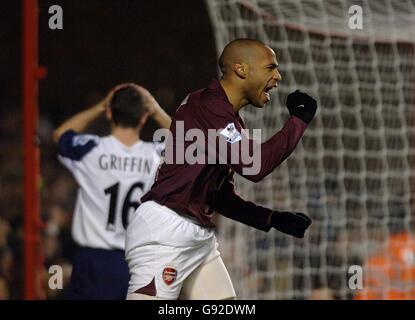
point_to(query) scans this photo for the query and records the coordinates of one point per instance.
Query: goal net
(353, 171)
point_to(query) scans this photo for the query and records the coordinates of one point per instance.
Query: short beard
(256, 105)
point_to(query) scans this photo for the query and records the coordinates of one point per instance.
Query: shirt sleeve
(251, 159)
(73, 147)
(232, 206)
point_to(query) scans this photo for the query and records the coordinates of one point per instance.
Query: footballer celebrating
(171, 248)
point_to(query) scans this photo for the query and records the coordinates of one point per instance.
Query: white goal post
(353, 172)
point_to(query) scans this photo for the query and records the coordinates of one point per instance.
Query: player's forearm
(79, 121)
(281, 145)
(274, 151)
(247, 213)
(162, 118)
(230, 205)
(155, 111)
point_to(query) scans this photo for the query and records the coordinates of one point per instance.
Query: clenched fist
(302, 105)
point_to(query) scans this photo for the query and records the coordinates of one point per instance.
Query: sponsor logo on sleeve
(231, 133)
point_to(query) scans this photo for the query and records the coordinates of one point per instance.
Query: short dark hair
(127, 107)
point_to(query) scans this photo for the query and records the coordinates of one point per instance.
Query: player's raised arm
(81, 120)
(244, 155)
(273, 152)
(154, 109)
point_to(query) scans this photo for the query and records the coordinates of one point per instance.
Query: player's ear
(241, 70)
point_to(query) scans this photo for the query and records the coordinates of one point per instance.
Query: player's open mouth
(267, 90)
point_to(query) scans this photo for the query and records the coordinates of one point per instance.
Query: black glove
(292, 223)
(301, 105)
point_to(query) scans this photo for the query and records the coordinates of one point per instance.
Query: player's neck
(234, 93)
(127, 136)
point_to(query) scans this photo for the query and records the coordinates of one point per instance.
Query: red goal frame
(31, 74)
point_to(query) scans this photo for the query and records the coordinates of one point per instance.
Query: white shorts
(164, 247)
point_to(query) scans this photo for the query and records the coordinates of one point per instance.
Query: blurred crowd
(58, 194)
(11, 193)
(57, 191)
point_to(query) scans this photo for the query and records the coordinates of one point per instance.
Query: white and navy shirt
(112, 178)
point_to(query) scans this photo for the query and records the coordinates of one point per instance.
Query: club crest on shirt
(231, 133)
(169, 275)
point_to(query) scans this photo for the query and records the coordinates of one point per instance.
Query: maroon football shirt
(200, 189)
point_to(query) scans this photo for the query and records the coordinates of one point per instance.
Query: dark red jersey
(200, 188)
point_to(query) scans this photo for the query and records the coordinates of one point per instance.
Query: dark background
(166, 46)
